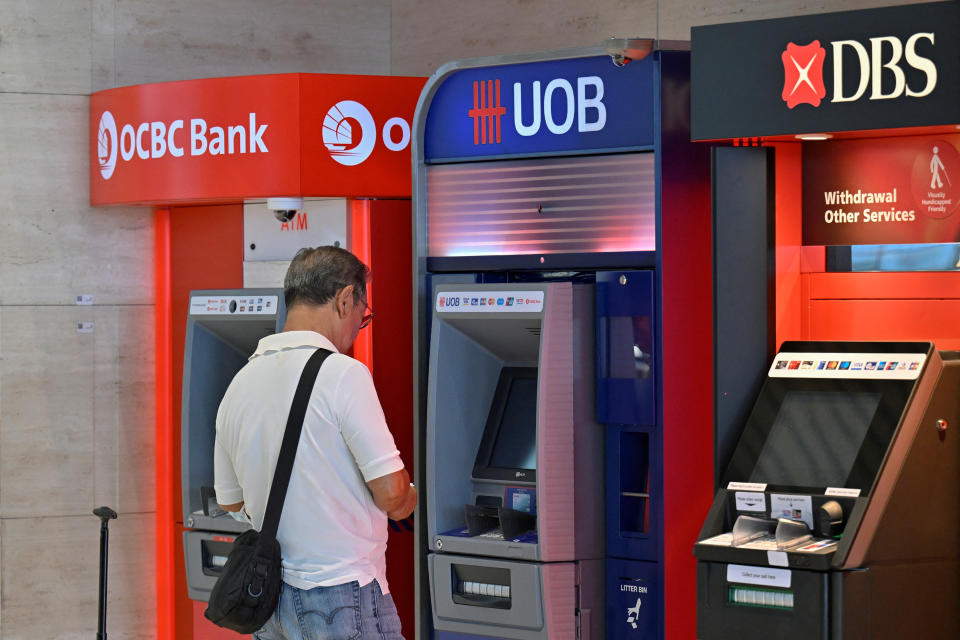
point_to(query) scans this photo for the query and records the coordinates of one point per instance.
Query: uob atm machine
(563, 310)
(839, 514)
(223, 329)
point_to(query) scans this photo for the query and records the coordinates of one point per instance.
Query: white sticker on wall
(792, 507)
(85, 299)
(750, 501)
(84, 327)
(763, 576)
(489, 301)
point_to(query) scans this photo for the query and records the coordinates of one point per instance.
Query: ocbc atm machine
(839, 514)
(223, 329)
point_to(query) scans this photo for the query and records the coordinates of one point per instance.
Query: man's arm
(394, 494)
(366, 434)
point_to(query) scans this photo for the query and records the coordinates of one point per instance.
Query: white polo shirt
(330, 532)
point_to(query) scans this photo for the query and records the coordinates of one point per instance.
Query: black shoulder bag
(247, 592)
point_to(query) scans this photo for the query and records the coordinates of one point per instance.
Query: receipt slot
(839, 513)
(223, 329)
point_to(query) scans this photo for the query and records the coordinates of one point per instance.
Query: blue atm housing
(648, 114)
(627, 371)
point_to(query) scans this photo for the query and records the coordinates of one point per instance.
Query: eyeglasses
(367, 317)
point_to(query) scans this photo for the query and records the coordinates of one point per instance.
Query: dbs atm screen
(815, 438)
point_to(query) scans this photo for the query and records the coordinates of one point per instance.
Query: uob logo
(350, 134)
(107, 145)
(581, 104)
(880, 68)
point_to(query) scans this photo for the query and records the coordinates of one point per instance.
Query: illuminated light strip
(445, 179)
(163, 428)
(360, 245)
(517, 166)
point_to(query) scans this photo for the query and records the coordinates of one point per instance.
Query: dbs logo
(880, 67)
(803, 74)
(350, 134)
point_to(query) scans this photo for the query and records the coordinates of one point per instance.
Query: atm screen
(516, 443)
(816, 437)
(509, 442)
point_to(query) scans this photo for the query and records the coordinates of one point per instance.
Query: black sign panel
(854, 70)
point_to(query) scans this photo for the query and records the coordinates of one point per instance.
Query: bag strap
(288, 450)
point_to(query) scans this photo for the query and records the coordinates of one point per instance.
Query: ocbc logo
(107, 145)
(349, 146)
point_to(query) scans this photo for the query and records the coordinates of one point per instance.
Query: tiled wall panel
(46, 411)
(428, 33)
(181, 39)
(677, 16)
(51, 577)
(53, 245)
(123, 408)
(45, 46)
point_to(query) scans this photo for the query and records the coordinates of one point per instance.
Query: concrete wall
(77, 408)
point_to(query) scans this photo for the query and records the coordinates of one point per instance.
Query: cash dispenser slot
(214, 556)
(757, 597)
(481, 586)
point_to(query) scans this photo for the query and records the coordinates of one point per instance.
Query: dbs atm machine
(839, 514)
(223, 329)
(563, 399)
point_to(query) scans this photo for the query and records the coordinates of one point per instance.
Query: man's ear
(344, 296)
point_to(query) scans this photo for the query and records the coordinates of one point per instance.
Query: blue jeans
(342, 612)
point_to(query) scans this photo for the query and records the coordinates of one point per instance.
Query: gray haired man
(347, 476)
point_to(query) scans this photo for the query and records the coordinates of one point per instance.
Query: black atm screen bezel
(482, 469)
(894, 395)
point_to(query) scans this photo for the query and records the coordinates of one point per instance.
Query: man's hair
(316, 275)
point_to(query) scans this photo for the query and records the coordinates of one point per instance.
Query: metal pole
(105, 514)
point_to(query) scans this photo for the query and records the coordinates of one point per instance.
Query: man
(347, 476)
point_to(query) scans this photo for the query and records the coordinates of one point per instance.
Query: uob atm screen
(508, 450)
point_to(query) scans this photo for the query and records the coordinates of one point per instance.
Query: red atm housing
(195, 151)
(869, 130)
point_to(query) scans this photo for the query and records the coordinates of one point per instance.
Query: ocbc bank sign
(349, 135)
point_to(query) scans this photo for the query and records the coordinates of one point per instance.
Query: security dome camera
(284, 209)
(623, 50)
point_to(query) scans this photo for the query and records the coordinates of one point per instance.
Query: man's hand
(394, 494)
(236, 506)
